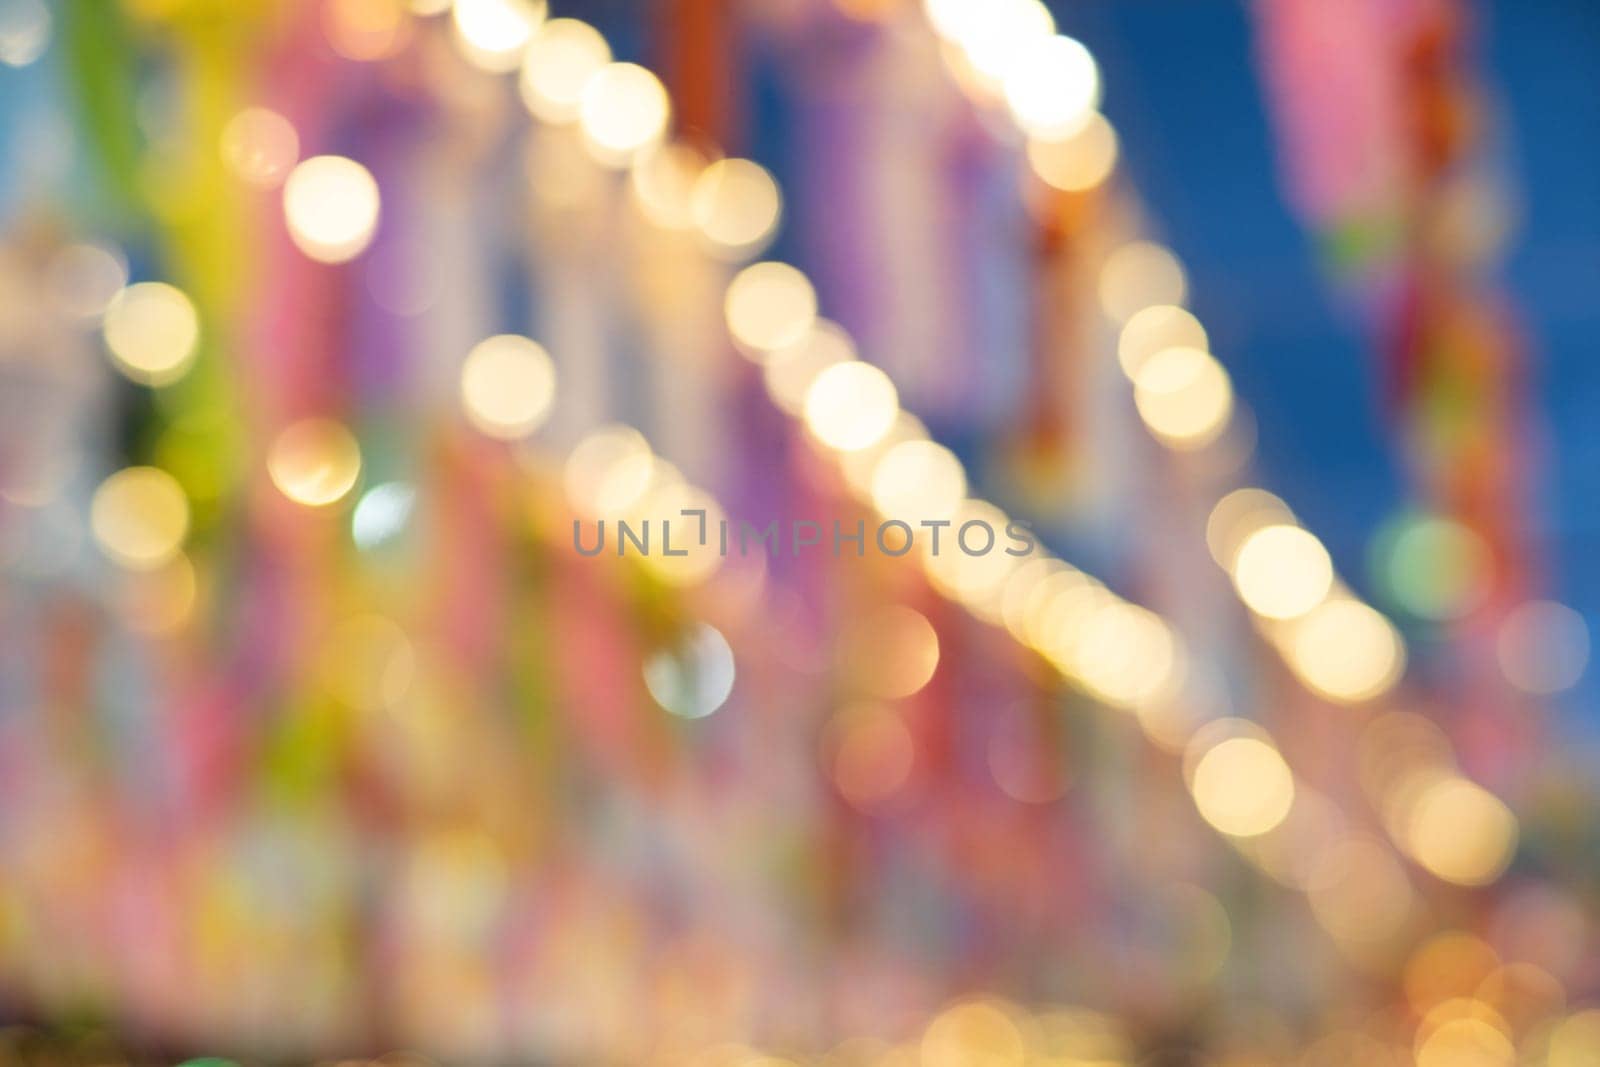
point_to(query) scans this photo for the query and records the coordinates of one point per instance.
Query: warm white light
(1461, 832)
(1184, 397)
(1123, 653)
(1053, 86)
(1154, 329)
(917, 481)
(663, 182)
(1138, 275)
(1005, 30)
(1237, 516)
(770, 306)
(507, 386)
(1282, 572)
(736, 206)
(972, 564)
(493, 33)
(365, 30)
(609, 472)
(259, 146)
(140, 517)
(624, 109)
(1346, 651)
(331, 206)
(1243, 787)
(953, 19)
(314, 462)
(851, 406)
(560, 59)
(151, 330)
(1078, 162)
(666, 503)
(790, 370)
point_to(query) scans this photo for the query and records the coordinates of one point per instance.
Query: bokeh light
(735, 205)
(1575, 1042)
(508, 385)
(889, 653)
(1359, 892)
(1138, 275)
(1052, 85)
(663, 181)
(557, 65)
(991, 43)
(1078, 162)
(1238, 515)
(140, 517)
(85, 278)
(609, 472)
(260, 147)
(1184, 397)
(869, 754)
(1460, 831)
(25, 27)
(789, 370)
(493, 33)
(624, 110)
(152, 331)
(1466, 1042)
(1543, 647)
(162, 600)
(1282, 572)
(1433, 567)
(382, 514)
(1123, 653)
(851, 406)
(666, 503)
(1153, 329)
(369, 663)
(314, 462)
(971, 1034)
(1243, 787)
(693, 676)
(1346, 651)
(365, 30)
(331, 205)
(974, 561)
(770, 306)
(918, 481)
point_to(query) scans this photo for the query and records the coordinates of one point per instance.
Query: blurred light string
(1121, 654)
(1182, 393)
(1340, 647)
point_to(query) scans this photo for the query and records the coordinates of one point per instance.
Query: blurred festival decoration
(471, 568)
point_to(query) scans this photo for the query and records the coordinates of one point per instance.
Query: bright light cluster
(613, 476)
(566, 76)
(1123, 654)
(1336, 645)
